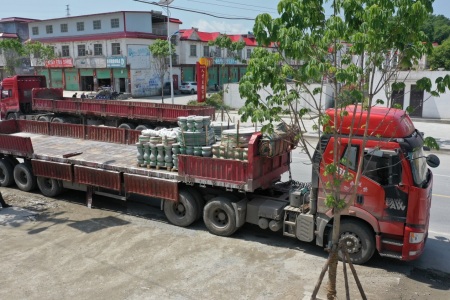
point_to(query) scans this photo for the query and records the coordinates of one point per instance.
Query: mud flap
(241, 211)
(305, 227)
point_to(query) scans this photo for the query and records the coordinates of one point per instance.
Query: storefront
(119, 77)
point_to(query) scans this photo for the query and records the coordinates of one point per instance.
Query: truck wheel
(11, 116)
(219, 217)
(50, 187)
(199, 200)
(58, 120)
(6, 173)
(182, 213)
(359, 240)
(142, 127)
(44, 119)
(24, 178)
(192, 92)
(126, 126)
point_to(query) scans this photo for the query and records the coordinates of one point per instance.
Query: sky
(48, 9)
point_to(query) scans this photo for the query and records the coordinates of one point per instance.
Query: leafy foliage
(437, 28)
(441, 56)
(160, 60)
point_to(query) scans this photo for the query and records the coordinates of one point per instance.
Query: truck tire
(359, 239)
(11, 116)
(58, 120)
(44, 119)
(6, 173)
(219, 217)
(24, 177)
(182, 213)
(192, 92)
(199, 200)
(126, 126)
(50, 187)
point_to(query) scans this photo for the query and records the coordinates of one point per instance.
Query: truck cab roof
(383, 121)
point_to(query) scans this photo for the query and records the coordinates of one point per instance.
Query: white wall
(138, 21)
(234, 100)
(433, 107)
(72, 25)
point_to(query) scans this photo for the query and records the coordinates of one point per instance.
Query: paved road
(115, 252)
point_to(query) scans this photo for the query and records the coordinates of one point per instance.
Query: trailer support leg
(89, 193)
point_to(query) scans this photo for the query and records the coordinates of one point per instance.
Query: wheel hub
(352, 242)
(220, 217)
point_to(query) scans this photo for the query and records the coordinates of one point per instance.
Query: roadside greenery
(160, 60)
(15, 52)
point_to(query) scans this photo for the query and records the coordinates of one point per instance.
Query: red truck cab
(16, 95)
(394, 193)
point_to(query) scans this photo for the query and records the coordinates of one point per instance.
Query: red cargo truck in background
(26, 97)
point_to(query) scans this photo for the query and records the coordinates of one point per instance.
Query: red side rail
(121, 109)
(257, 172)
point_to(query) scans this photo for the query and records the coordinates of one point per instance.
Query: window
(218, 52)
(115, 47)
(193, 51)
(65, 51)
(249, 53)
(206, 51)
(64, 28)
(81, 50)
(349, 157)
(6, 94)
(98, 49)
(80, 26)
(97, 24)
(376, 166)
(49, 29)
(114, 23)
(35, 30)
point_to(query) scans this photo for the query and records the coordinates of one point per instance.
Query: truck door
(8, 103)
(385, 168)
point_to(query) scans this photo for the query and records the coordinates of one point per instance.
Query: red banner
(202, 80)
(59, 63)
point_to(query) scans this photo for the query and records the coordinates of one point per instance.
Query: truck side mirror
(433, 161)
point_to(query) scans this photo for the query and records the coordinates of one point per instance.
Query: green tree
(440, 58)
(437, 28)
(160, 60)
(39, 53)
(227, 48)
(382, 36)
(13, 51)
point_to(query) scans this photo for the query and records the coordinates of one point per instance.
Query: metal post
(170, 55)
(160, 3)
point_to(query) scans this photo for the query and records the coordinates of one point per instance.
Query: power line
(249, 5)
(241, 8)
(199, 11)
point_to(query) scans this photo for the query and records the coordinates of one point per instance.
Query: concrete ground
(59, 249)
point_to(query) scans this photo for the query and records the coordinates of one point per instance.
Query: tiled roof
(186, 34)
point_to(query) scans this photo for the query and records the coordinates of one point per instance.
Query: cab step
(391, 254)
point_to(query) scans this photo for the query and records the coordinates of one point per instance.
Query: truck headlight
(416, 237)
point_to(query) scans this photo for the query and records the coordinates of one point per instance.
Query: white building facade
(108, 49)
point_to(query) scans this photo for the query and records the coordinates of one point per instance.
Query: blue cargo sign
(116, 62)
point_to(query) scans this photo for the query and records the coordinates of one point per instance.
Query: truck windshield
(418, 166)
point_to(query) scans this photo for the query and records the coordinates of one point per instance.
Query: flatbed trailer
(50, 100)
(103, 160)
